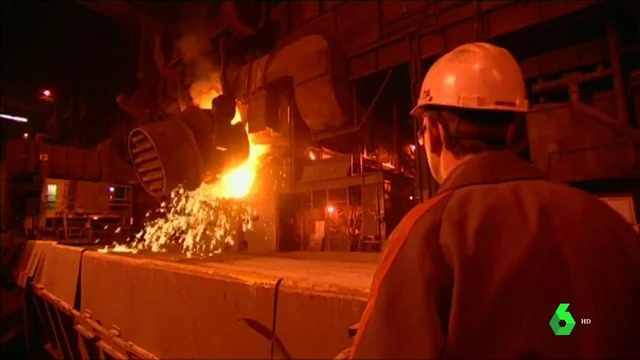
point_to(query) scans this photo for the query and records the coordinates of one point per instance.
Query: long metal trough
(86, 304)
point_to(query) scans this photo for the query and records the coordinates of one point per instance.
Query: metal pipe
(326, 242)
(362, 189)
(363, 150)
(380, 209)
(573, 79)
(415, 69)
(292, 148)
(351, 164)
(418, 163)
(395, 146)
(616, 67)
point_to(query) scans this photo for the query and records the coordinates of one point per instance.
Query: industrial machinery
(192, 146)
(68, 193)
(185, 150)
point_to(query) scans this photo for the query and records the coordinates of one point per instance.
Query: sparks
(207, 220)
(199, 222)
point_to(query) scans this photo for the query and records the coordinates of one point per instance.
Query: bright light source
(411, 197)
(331, 209)
(25, 136)
(112, 189)
(412, 147)
(14, 118)
(46, 95)
(312, 156)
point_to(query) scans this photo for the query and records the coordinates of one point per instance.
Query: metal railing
(66, 333)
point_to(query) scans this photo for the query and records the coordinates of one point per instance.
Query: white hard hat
(475, 76)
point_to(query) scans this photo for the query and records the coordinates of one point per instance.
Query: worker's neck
(449, 162)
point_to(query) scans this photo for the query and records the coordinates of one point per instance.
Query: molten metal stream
(204, 221)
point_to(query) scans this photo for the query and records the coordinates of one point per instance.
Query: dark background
(70, 50)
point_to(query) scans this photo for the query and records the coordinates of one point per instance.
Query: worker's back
(479, 271)
(522, 248)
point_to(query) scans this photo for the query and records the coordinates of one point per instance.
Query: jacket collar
(490, 168)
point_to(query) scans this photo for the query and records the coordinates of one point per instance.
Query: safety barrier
(148, 309)
(63, 331)
(68, 334)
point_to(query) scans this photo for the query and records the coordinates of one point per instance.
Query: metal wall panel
(358, 25)
(453, 23)
(296, 13)
(76, 157)
(310, 9)
(393, 11)
(591, 52)
(573, 142)
(325, 169)
(325, 25)
(393, 54)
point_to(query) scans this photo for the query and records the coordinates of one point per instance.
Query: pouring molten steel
(236, 182)
(204, 220)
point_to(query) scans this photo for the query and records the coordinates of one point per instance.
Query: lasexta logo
(562, 322)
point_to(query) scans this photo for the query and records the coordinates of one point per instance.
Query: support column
(396, 149)
(423, 174)
(6, 211)
(618, 75)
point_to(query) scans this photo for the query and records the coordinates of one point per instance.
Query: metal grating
(146, 162)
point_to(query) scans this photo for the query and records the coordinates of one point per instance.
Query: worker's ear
(517, 138)
(436, 136)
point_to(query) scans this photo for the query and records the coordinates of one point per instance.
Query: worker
(479, 270)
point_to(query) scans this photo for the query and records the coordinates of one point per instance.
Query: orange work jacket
(480, 270)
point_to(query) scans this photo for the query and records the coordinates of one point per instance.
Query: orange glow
(312, 156)
(388, 165)
(46, 93)
(412, 147)
(204, 213)
(331, 209)
(202, 97)
(237, 182)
